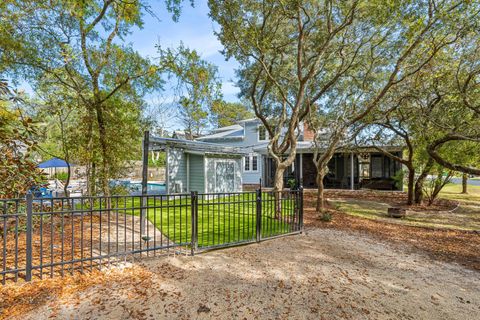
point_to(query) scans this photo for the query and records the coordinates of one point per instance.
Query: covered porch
(352, 170)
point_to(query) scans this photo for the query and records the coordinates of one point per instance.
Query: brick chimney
(308, 134)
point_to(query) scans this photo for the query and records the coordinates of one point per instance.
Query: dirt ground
(349, 268)
(457, 246)
(322, 274)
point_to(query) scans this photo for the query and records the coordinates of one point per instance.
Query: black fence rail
(12, 224)
(50, 237)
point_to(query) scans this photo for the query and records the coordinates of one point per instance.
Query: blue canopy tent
(54, 163)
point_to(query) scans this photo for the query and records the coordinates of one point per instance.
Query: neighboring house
(183, 135)
(199, 166)
(370, 168)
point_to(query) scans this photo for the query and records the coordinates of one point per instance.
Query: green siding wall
(197, 170)
(177, 172)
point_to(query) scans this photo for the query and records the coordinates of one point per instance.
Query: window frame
(249, 158)
(267, 138)
(246, 159)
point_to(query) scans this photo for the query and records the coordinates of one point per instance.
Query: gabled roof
(235, 132)
(249, 120)
(228, 128)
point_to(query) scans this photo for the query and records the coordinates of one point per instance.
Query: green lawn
(220, 220)
(465, 217)
(453, 192)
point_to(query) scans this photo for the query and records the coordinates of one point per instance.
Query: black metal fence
(51, 237)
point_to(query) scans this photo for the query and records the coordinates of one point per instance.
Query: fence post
(259, 215)
(28, 258)
(194, 212)
(300, 214)
(144, 197)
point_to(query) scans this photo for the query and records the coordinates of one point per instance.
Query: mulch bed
(457, 246)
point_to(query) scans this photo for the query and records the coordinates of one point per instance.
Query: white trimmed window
(262, 133)
(250, 163)
(254, 163)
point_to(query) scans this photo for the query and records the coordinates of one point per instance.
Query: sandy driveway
(323, 274)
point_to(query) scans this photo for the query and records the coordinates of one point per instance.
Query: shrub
(292, 184)
(62, 176)
(326, 216)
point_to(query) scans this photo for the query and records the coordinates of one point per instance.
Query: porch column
(352, 172)
(187, 156)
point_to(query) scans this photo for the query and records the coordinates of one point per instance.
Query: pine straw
(16, 299)
(447, 245)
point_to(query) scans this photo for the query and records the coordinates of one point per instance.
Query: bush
(326, 216)
(292, 184)
(62, 176)
(119, 190)
(398, 179)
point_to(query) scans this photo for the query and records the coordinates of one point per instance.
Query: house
(199, 166)
(235, 158)
(184, 135)
(371, 169)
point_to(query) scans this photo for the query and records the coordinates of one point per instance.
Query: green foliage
(198, 85)
(119, 190)
(292, 183)
(157, 160)
(62, 176)
(18, 172)
(91, 83)
(326, 216)
(398, 178)
(225, 114)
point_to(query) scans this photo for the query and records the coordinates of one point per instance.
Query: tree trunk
(104, 172)
(321, 164)
(464, 183)
(277, 189)
(421, 180)
(69, 172)
(87, 175)
(91, 164)
(320, 207)
(411, 182)
(419, 191)
(92, 188)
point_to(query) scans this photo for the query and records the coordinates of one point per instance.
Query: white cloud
(229, 88)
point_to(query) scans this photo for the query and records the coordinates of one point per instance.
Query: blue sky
(195, 29)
